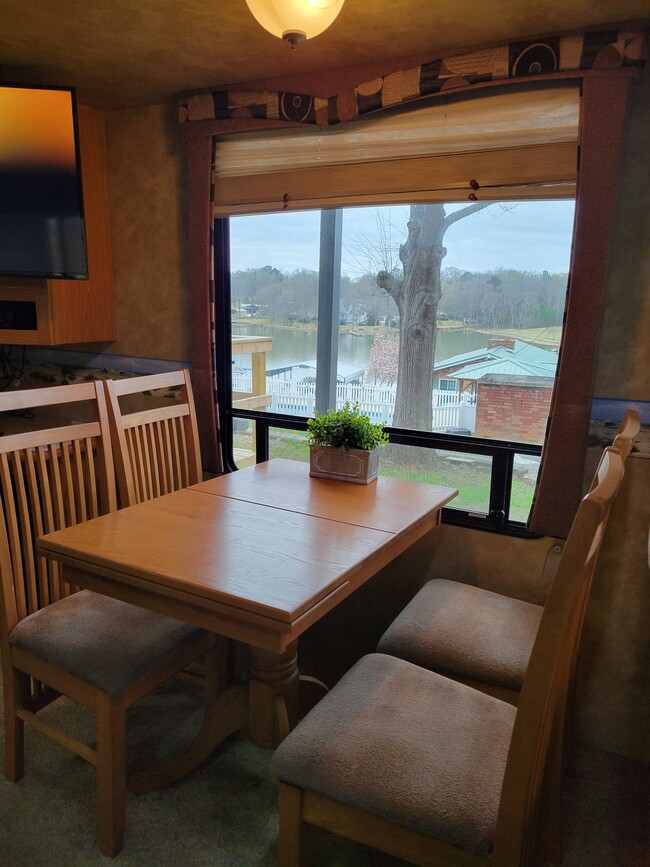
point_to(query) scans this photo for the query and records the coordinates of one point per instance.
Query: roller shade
(521, 143)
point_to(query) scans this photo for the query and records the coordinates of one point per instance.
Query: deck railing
(450, 409)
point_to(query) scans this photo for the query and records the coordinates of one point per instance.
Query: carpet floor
(225, 814)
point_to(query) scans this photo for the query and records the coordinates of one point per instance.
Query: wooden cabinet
(71, 311)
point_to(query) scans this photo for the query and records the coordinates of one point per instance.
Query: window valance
(557, 56)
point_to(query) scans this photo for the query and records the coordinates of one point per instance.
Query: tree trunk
(421, 256)
(417, 297)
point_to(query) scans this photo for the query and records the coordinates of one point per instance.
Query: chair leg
(111, 772)
(16, 690)
(293, 847)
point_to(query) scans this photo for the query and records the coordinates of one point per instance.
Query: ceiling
(122, 53)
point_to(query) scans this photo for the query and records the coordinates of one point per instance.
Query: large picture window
(416, 263)
(457, 356)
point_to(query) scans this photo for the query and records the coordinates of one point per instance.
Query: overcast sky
(527, 236)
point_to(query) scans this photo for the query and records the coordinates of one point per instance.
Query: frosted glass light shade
(295, 20)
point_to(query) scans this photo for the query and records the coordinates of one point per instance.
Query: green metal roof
(523, 359)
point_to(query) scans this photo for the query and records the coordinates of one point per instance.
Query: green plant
(346, 428)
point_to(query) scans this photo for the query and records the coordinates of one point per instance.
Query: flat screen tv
(42, 231)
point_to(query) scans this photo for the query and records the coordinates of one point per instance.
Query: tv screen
(42, 232)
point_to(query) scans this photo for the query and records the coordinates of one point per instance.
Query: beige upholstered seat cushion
(467, 632)
(102, 641)
(408, 745)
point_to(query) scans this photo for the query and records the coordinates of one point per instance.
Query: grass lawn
(546, 336)
(470, 474)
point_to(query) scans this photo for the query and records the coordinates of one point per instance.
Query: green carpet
(225, 814)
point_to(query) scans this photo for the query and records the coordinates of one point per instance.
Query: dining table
(258, 555)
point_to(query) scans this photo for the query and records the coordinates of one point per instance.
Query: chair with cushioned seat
(427, 769)
(156, 451)
(476, 636)
(55, 639)
(484, 639)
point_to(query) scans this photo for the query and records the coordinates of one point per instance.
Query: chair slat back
(156, 451)
(49, 479)
(546, 685)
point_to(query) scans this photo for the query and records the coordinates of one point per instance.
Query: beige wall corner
(624, 354)
(146, 166)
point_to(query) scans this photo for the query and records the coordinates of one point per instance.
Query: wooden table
(259, 556)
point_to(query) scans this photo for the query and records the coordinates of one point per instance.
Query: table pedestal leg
(227, 715)
(273, 695)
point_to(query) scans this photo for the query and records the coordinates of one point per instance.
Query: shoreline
(548, 336)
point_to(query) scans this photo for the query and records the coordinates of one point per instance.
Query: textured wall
(146, 164)
(624, 358)
(613, 680)
(613, 684)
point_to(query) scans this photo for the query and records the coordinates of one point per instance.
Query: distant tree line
(504, 298)
(292, 296)
(501, 298)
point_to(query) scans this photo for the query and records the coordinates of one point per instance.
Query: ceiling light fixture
(295, 20)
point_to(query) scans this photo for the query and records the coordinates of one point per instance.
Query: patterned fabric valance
(516, 61)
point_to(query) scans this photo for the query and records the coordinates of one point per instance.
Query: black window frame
(502, 452)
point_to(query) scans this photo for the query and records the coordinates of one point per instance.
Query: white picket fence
(450, 409)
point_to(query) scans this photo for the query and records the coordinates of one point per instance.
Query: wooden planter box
(357, 465)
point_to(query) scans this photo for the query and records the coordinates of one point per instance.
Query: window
(358, 264)
(308, 336)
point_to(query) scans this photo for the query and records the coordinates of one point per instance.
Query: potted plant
(344, 444)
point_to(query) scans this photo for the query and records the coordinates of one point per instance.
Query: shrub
(346, 428)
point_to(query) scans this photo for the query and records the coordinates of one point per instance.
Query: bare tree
(417, 295)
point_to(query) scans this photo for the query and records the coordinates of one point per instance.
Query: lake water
(292, 345)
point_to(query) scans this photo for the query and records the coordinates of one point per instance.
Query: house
(131, 64)
(511, 382)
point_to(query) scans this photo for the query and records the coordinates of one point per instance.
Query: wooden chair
(156, 450)
(476, 636)
(484, 639)
(100, 652)
(427, 769)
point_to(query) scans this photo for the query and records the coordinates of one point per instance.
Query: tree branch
(464, 212)
(389, 284)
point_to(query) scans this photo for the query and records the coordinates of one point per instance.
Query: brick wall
(512, 412)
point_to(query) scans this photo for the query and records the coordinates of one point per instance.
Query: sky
(527, 236)
(612, 409)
